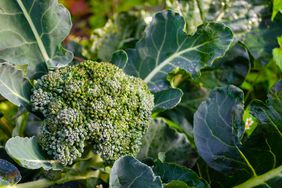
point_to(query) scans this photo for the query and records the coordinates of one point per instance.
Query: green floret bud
(92, 104)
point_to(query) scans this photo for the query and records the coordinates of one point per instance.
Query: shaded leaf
(165, 47)
(161, 139)
(218, 128)
(231, 69)
(13, 85)
(169, 172)
(193, 94)
(167, 99)
(9, 174)
(218, 137)
(28, 154)
(260, 41)
(32, 32)
(263, 147)
(129, 172)
(120, 58)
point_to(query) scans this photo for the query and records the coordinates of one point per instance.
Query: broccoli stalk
(91, 104)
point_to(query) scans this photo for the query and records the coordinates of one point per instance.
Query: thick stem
(201, 9)
(45, 183)
(38, 184)
(262, 179)
(7, 128)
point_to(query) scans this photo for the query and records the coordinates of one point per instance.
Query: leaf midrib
(19, 96)
(12, 91)
(35, 33)
(170, 58)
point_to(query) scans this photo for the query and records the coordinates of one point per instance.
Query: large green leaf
(31, 33)
(172, 146)
(165, 47)
(262, 149)
(129, 172)
(255, 160)
(218, 127)
(28, 154)
(9, 174)
(13, 85)
(169, 172)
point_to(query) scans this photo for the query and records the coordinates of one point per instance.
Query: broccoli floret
(91, 104)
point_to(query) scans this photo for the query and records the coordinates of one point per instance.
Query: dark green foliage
(208, 64)
(169, 172)
(92, 104)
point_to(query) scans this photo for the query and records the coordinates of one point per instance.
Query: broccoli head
(91, 104)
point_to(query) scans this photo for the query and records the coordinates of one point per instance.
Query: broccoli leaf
(13, 85)
(161, 139)
(166, 46)
(169, 172)
(263, 147)
(129, 172)
(31, 33)
(261, 40)
(167, 99)
(231, 69)
(9, 174)
(218, 131)
(193, 94)
(27, 153)
(218, 127)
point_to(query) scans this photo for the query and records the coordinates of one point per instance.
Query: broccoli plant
(188, 97)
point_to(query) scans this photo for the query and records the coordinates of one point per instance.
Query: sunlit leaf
(31, 33)
(13, 85)
(27, 153)
(165, 47)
